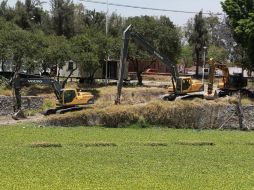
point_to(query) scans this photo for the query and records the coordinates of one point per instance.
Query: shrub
(115, 117)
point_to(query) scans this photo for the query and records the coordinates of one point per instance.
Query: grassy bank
(33, 157)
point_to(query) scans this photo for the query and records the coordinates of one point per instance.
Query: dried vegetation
(179, 114)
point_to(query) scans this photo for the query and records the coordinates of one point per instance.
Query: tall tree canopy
(198, 38)
(241, 20)
(160, 33)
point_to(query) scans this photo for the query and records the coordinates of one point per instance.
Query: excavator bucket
(19, 115)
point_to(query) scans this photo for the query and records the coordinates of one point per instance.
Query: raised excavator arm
(69, 99)
(181, 85)
(229, 82)
(18, 83)
(128, 34)
(213, 66)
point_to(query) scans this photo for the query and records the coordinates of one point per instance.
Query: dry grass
(159, 78)
(156, 144)
(195, 143)
(45, 145)
(130, 96)
(178, 114)
(96, 144)
(5, 92)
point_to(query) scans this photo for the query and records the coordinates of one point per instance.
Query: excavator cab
(71, 97)
(182, 84)
(186, 85)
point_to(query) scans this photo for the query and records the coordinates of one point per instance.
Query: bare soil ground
(7, 120)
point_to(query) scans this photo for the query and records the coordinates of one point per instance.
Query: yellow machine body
(71, 97)
(186, 85)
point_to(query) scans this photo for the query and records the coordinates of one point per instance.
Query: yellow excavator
(183, 87)
(69, 99)
(229, 84)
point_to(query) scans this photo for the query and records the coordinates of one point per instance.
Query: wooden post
(239, 110)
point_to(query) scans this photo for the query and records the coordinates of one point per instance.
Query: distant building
(112, 71)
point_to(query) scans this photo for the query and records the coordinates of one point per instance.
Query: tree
(186, 56)
(198, 38)
(160, 33)
(115, 25)
(5, 47)
(79, 19)
(241, 20)
(55, 53)
(95, 20)
(28, 14)
(6, 11)
(217, 53)
(63, 17)
(22, 46)
(84, 54)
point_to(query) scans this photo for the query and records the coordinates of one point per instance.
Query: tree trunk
(2, 60)
(140, 78)
(197, 63)
(58, 75)
(240, 112)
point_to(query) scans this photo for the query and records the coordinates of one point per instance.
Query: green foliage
(56, 51)
(63, 17)
(241, 17)
(36, 157)
(198, 37)
(217, 53)
(160, 33)
(186, 56)
(4, 82)
(84, 54)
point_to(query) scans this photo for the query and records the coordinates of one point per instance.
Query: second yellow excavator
(229, 84)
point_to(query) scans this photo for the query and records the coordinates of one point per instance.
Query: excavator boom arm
(139, 39)
(18, 83)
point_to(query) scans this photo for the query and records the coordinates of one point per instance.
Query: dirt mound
(179, 114)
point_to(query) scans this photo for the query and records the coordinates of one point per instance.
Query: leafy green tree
(79, 19)
(95, 20)
(198, 38)
(21, 44)
(186, 56)
(160, 33)
(217, 53)
(5, 47)
(55, 53)
(28, 14)
(63, 17)
(6, 11)
(241, 20)
(115, 25)
(84, 54)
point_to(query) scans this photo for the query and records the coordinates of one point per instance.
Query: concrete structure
(112, 71)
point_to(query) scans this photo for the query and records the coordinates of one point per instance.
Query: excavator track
(61, 110)
(191, 96)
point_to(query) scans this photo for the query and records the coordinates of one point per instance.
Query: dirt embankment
(197, 114)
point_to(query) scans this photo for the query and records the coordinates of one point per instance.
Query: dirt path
(7, 120)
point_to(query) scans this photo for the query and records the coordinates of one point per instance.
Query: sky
(178, 18)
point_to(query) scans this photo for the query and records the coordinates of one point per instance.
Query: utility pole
(203, 73)
(106, 66)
